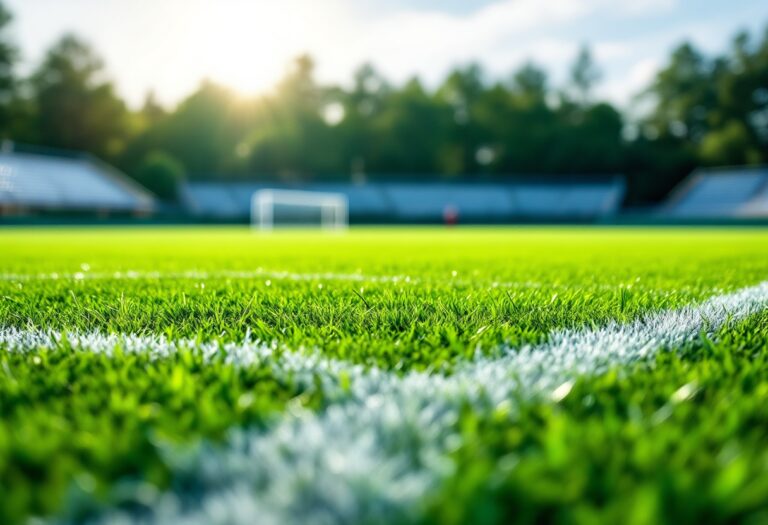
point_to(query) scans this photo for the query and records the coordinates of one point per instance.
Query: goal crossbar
(334, 207)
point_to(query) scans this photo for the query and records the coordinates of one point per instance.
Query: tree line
(699, 110)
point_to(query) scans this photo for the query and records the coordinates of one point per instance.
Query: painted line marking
(374, 454)
(279, 275)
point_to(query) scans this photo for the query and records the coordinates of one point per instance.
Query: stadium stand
(720, 193)
(757, 207)
(584, 199)
(232, 201)
(35, 182)
(213, 200)
(571, 198)
(428, 202)
(365, 200)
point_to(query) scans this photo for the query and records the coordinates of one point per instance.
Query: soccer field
(489, 375)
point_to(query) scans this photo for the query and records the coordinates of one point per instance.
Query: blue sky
(170, 45)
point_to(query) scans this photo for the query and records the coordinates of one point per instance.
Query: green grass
(615, 449)
(581, 278)
(624, 448)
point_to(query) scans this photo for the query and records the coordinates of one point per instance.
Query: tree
(152, 113)
(368, 91)
(409, 132)
(76, 108)
(463, 91)
(654, 166)
(584, 75)
(361, 107)
(161, 174)
(684, 95)
(204, 133)
(729, 145)
(293, 139)
(522, 122)
(529, 83)
(742, 103)
(8, 57)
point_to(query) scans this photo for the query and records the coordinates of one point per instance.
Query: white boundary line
(373, 455)
(202, 275)
(278, 275)
(373, 459)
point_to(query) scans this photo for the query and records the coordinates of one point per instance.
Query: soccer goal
(275, 208)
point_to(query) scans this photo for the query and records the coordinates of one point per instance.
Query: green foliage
(409, 132)
(713, 111)
(8, 57)
(729, 145)
(684, 94)
(530, 84)
(293, 140)
(74, 107)
(201, 133)
(161, 174)
(584, 75)
(701, 110)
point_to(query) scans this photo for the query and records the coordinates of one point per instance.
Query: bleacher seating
(594, 198)
(51, 183)
(429, 201)
(233, 200)
(555, 199)
(719, 193)
(589, 199)
(210, 200)
(366, 200)
(757, 207)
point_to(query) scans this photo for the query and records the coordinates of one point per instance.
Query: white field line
(373, 455)
(300, 276)
(203, 275)
(299, 367)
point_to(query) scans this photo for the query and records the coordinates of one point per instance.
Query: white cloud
(621, 88)
(649, 6)
(501, 35)
(170, 45)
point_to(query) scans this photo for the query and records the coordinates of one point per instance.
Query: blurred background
(487, 111)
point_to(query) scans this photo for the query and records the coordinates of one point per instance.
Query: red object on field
(450, 215)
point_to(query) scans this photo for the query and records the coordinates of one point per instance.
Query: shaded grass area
(73, 421)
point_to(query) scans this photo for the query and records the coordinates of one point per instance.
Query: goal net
(275, 208)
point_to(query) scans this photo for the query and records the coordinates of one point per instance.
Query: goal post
(299, 208)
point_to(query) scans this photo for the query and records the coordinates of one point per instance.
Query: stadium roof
(33, 181)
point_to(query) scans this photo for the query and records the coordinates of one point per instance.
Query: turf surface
(76, 428)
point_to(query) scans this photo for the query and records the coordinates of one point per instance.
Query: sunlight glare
(247, 44)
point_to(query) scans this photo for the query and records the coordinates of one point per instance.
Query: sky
(169, 46)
